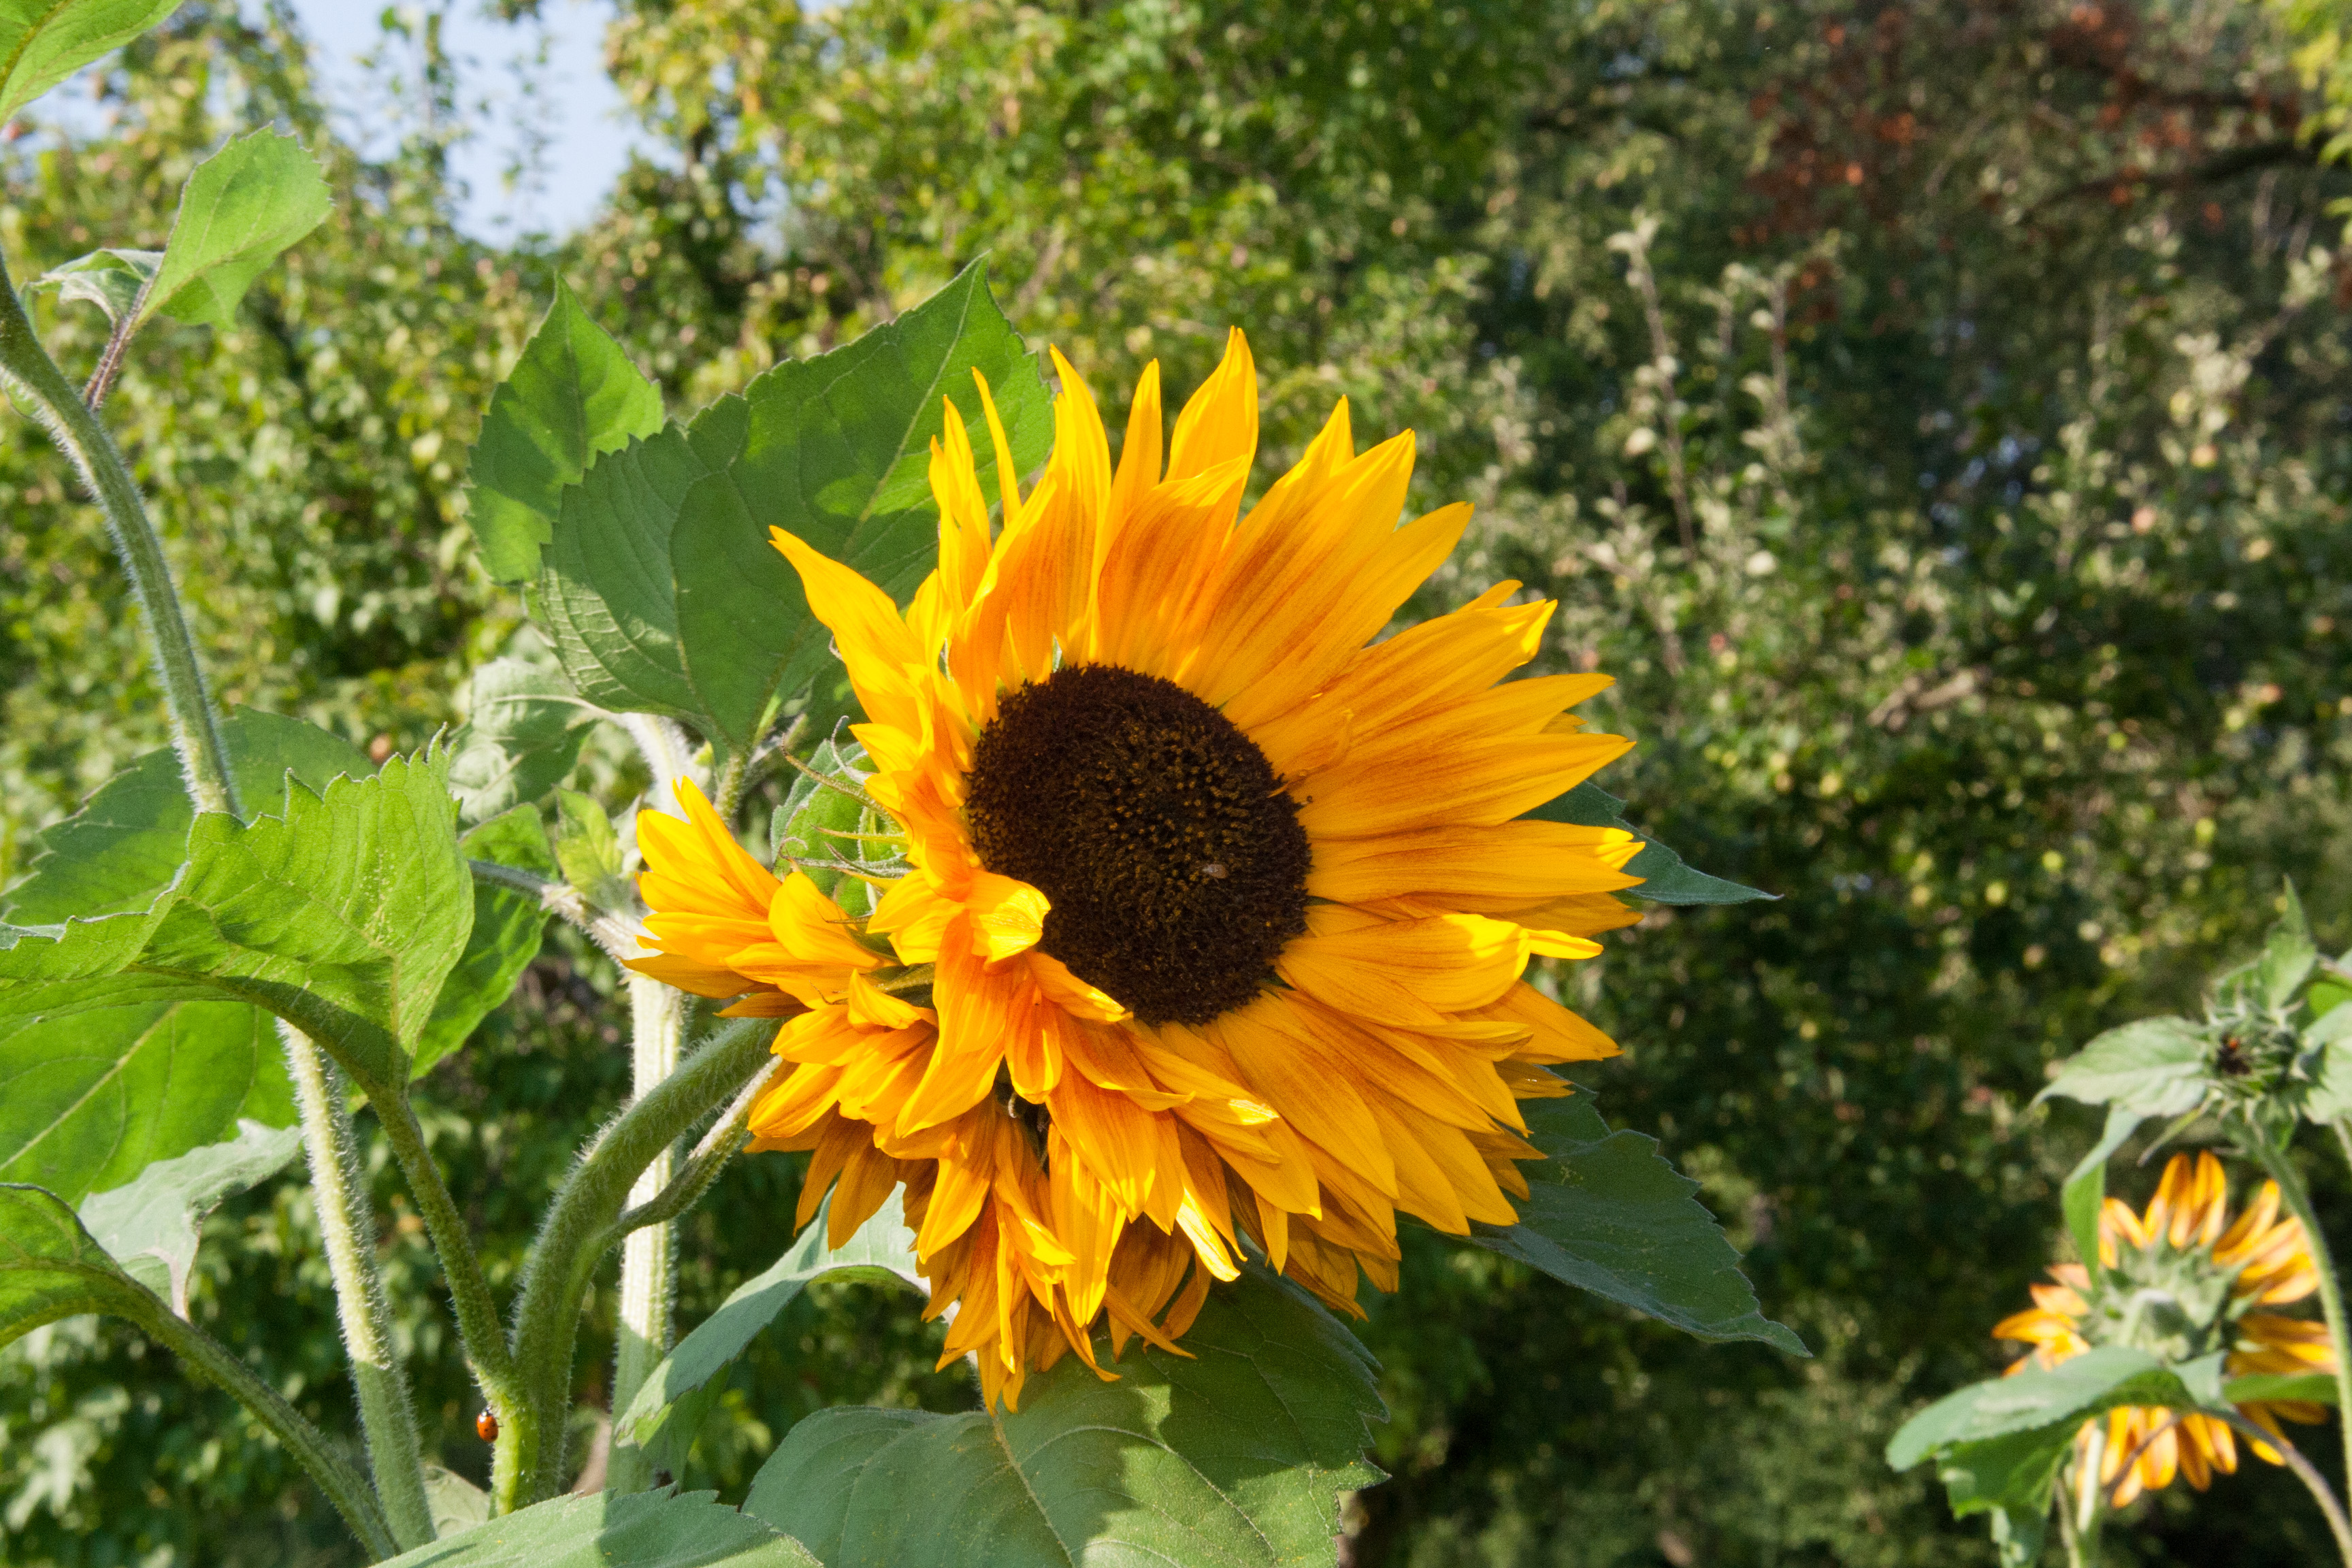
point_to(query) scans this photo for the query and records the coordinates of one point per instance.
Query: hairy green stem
(649, 1255)
(339, 1192)
(579, 1226)
(470, 1301)
(345, 1486)
(34, 378)
(2305, 1471)
(2279, 1164)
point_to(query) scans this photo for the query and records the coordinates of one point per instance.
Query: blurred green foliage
(1935, 414)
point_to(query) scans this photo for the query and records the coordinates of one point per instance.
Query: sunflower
(2182, 1280)
(1214, 914)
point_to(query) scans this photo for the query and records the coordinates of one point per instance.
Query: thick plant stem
(339, 1191)
(470, 1301)
(648, 1256)
(34, 378)
(2281, 1165)
(344, 1487)
(580, 1225)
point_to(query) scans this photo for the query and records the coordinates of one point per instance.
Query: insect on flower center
(1173, 858)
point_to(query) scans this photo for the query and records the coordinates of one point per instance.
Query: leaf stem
(470, 1301)
(616, 935)
(343, 1485)
(339, 1192)
(649, 1254)
(2279, 1164)
(28, 371)
(2305, 1471)
(578, 1228)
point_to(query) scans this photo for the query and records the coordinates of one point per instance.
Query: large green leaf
(670, 1408)
(241, 207)
(91, 1099)
(572, 395)
(1666, 880)
(1236, 1457)
(51, 1267)
(521, 739)
(42, 42)
(507, 928)
(661, 589)
(151, 1226)
(130, 836)
(2153, 1067)
(1608, 1214)
(343, 917)
(638, 1529)
(2063, 1396)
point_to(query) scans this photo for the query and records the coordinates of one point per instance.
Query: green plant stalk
(649, 1255)
(343, 1485)
(339, 1191)
(2281, 1166)
(34, 378)
(579, 1226)
(470, 1301)
(2305, 1471)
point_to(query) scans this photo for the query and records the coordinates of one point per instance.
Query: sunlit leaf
(2155, 1066)
(2064, 1396)
(42, 42)
(343, 917)
(1608, 1214)
(670, 1408)
(661, 589)
(573, 395)
(151, 1226)
(240, 208)
(1234, 1457)
(507, 928)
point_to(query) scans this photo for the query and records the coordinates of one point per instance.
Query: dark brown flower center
(1174, 860)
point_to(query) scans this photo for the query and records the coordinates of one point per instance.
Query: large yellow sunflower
(2182, 1280)
(1217, 917)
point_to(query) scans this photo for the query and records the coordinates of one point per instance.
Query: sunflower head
(2179, 1280)
(1211, 932)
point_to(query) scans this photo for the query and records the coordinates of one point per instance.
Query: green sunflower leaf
(588, 851)
(572, 397)
(344, 917)
(521, 738)
(606, 1529)
(151, 1226)
(660, 588)
(110, 279)
(240, 208)
(1236, 1456)
(507, 928)
(2153, 1067)
(670, 1408)
(1666, 880)
(1607, 1213)
(51, 1267)
(2054, 1399)
(2085, 1191)
(42, 42)
(2318, 1387)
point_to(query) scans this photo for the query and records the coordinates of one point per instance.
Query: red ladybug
(487, 1424)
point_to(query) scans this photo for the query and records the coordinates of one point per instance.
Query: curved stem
(471, 1301)
(2279, 1164)
(339, 1192)
(579, 1227)
(2305, 1471)
(343, 1485)
(615, 935)
(649, 1254)
(28, 371)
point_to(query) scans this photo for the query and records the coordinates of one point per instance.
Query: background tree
(1933, 413)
